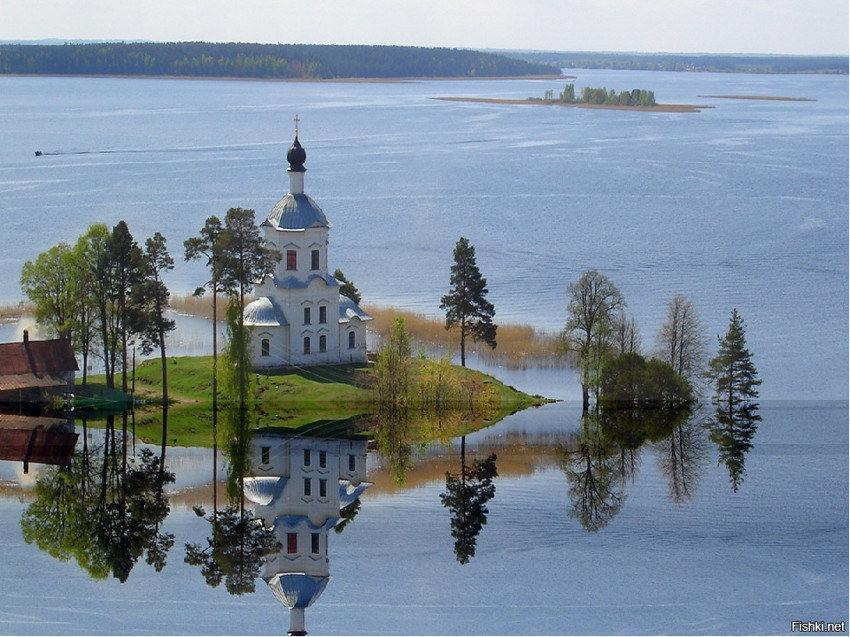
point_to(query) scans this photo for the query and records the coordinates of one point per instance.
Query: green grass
(324, 400)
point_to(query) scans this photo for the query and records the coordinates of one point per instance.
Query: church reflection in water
(302, 488)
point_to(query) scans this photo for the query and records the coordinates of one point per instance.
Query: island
(634, 100)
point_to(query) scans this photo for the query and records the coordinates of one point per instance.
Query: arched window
(323, 343)
(264, 347)
(351, 340)
(306, 344)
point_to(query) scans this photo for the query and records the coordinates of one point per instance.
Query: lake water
(743, 205)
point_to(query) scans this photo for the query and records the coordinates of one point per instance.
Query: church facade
(302, 488)
(299, 317)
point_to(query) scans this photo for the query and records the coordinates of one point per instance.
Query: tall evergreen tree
(245, 256)
(245, 260)
(466, 303)
(208, 245)
(735, 388)
(123, 268)
(466, 496)
(150, 301)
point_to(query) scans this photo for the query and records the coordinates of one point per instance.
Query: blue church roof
(264, 312)
(297, 212)
(292, 282)
(297, 590)
(348, 309)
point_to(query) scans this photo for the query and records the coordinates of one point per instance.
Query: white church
(299, 318)
(300, 487)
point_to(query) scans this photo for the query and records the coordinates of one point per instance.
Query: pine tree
(466, 496)
(466, 303)
(735, 385)
(346, 287)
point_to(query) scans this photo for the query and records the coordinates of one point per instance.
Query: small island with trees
(636, 99)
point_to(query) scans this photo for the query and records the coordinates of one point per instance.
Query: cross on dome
(296, 155)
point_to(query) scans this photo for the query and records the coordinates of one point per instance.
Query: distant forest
(684, 62)
(265, 61)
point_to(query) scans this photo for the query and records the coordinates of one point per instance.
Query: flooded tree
(735, 389)
(681, 340)
(594, 302)
(466, 496)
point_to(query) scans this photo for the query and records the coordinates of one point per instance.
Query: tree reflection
(238, 543)
(681, 458)
(392, 424)
(104, 510)
(733, 438)
(236, 549)
(466, 496)
(590, 462)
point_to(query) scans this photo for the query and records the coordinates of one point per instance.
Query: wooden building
(35, 372)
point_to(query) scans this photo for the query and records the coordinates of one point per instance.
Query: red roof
(37, 357)
(32, 439)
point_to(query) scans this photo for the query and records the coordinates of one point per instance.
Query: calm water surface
(714, 562)
(741, 205)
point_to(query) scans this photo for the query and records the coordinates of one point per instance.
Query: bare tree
(625, 335)
(681, 341)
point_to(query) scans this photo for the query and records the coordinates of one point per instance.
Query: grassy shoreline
(319, 399)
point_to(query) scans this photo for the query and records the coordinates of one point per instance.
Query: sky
(806, 27)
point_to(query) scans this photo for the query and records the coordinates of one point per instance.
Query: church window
(323, 314)
(315, 543)
(264, 348)
(308, 486)
(265, 454)
(306, 344)
(323, 343)
(351, 340)
(306, 457)
(352, 462)
(291, 260)
(307, 316)
(323, 459)
(291, 542)
(314, 263)
(323, 488)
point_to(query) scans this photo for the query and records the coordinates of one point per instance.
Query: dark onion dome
(296, 156)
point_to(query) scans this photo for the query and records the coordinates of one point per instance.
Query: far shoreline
(353, 80)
